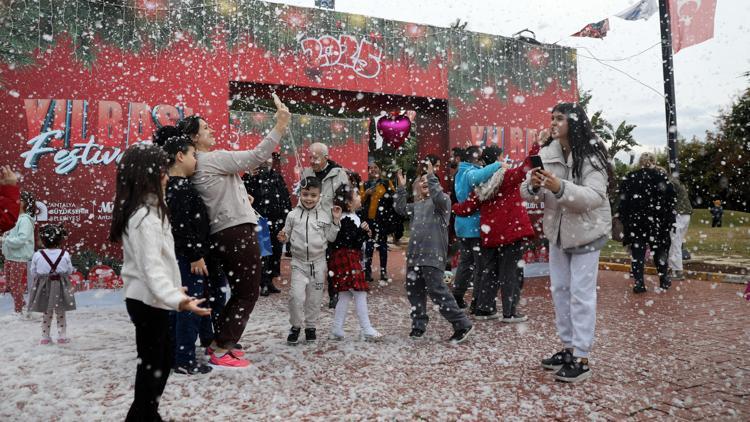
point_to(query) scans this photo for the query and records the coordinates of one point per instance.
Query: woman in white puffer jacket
(574, 186)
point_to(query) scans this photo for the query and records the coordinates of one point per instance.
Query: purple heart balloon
(394, 130)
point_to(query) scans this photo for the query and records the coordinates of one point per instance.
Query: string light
(359, 20)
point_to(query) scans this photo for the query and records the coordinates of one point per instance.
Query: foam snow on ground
(495, 375)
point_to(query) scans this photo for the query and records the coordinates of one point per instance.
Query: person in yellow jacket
(377, 200)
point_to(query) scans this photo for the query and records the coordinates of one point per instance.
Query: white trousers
(573, 280)
(306, 292)
(360, 305)
(678, 238)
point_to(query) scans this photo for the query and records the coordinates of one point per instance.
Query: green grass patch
(730, 240)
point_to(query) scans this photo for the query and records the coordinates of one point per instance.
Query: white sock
(360, 304)
(339, 314)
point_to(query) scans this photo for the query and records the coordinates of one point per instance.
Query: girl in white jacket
(573, 185)
(149, 271)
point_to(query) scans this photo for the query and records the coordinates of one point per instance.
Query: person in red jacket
(504, 228)
(10, 195)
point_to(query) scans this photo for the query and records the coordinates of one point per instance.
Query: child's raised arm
(9, 197)
(400, 205)
(440, 199)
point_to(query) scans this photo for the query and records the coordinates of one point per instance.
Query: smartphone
(536, 162)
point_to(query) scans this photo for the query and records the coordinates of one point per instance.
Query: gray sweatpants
(421, 281)
(573, 285)
(469, 266)
(306, 293)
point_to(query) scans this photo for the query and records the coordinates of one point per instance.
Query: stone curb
(693, 275)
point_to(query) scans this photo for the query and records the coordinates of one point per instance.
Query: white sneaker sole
(372, 339)
(552, 367)
(486, 317)
(584, 376)
(515, 320)
(466, 337)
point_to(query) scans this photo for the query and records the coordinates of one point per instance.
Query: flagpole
(669, 100)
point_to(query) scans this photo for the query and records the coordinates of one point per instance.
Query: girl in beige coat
(573, 185)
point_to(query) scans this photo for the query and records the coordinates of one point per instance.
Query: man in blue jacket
(470, 174)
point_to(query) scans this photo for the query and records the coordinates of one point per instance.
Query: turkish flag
(692, 22)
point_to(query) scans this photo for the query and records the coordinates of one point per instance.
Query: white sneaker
(515, 318)
(336, 336)
(372, 337)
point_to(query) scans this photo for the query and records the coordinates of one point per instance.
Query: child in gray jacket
(427, 253)
(309, 228)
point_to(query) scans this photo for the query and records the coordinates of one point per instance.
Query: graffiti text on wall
(363, 57)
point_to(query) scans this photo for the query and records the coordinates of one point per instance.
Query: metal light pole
(669, 100)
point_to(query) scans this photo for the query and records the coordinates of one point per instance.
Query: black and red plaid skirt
(345, 265)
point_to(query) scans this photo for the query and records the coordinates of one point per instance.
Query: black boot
(264, 291)
(665, 282)
(333, 301)
(639, 288)
(310, 335)
(273, 289)
(293, 337)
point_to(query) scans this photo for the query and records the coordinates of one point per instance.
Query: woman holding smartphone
(233, 225)
(574, 186)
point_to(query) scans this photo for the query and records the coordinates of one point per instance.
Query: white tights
(360, 305)
(47, 323)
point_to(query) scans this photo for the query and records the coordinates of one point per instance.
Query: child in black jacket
(190, 229)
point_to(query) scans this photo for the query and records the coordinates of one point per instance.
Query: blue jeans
(187, 326)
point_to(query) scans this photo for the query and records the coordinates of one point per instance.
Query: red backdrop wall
(119, 101)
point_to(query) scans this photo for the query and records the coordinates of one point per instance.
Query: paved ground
(683, 354)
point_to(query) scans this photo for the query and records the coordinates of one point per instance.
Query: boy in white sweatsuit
(309, 228)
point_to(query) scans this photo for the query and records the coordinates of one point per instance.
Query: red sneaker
(236, 352)
(229, 360)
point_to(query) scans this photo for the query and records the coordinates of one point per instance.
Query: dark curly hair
(175, 145)
(343, 196)
(29, 203)
(311, 182)
(190, 125)
(52, 235)
(165, 133)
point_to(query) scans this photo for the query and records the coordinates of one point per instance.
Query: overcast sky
(707, 76)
